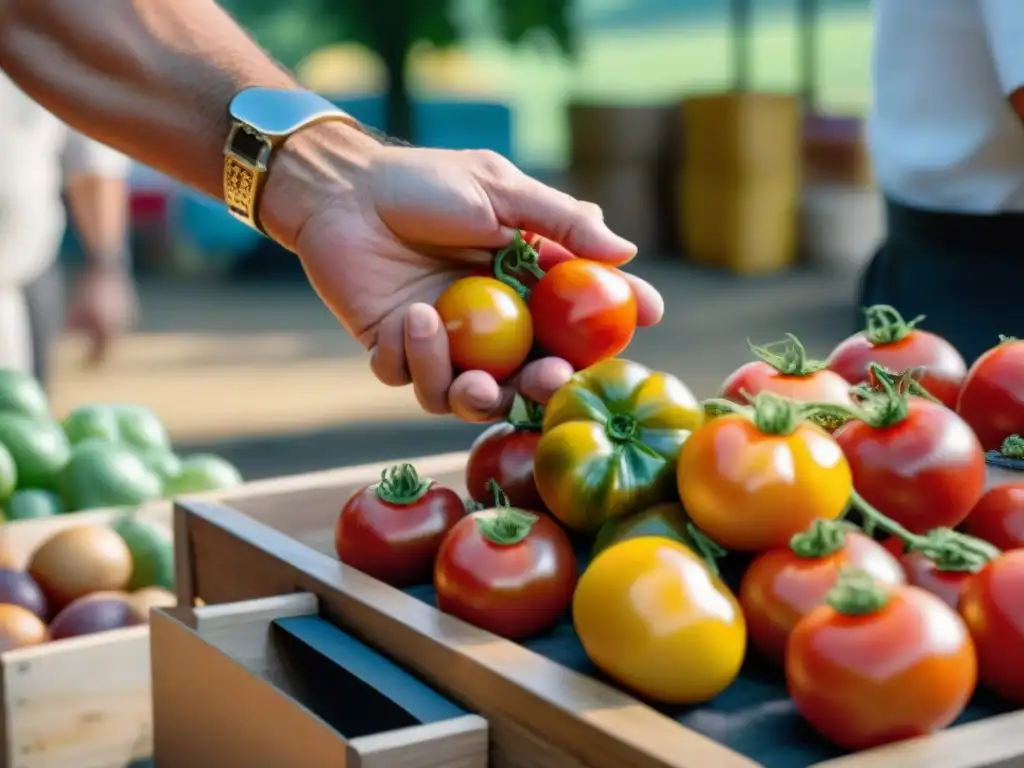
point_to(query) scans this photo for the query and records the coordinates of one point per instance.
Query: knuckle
(490, 164)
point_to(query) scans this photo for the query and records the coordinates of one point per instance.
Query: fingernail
(423, 323)
(620, 243)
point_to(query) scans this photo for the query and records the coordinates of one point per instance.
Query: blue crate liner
(754, 716)
(996, 459)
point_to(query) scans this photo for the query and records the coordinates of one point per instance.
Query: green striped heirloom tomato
(610, 442)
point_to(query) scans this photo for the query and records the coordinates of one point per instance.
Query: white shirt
(942, 134)
(37, 153)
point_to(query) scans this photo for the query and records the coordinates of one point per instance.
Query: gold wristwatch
(261, 120)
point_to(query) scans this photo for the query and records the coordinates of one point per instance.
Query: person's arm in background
(103, 302)
(1004, 22)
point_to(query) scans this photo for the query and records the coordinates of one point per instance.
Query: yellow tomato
(652, 617)
(489, 326)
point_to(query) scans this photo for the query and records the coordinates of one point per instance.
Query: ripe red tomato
(992, 396)
(584, 312)
(503, 453)
(788, 374)
(998, 517)
(878, 664)
(920, 464)
(507, 571)
(782, 585)
(548, 253)
(489, 326)
(991, 605)
(924, 573)
(392, 530)
(899, 345)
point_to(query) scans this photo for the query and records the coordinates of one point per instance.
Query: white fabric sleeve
(84, 156)
(1004, 24)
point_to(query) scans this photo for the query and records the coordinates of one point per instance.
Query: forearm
(99, 212)
(151, 78)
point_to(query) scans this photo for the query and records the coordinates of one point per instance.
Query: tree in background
(392, 28)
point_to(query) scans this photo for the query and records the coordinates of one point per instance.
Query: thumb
(528, 204)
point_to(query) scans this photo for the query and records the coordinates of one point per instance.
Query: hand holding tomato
(879, 663)
(991, 398)
(781, 586)
(506, 570)
(752, 480)
(899, 345)
(391, 530)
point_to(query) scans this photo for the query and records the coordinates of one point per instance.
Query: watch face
(275, 112)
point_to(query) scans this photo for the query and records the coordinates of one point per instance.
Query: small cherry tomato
(506, 570)
(879, 663)
(899, 345)
(548, 253)
(489, 326)
(917, 462)
(653, 618)
(584, 312)
(992, 396)
(998, 517)
(751, 484)
(392, 530)
(782, 585)
(503, 453)
(993, 607)
(788, 373)
(922, 572)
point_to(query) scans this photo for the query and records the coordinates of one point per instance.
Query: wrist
(317, 164)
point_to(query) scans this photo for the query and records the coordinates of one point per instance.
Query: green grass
(663, 65)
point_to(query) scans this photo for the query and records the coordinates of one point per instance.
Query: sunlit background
(753, 210)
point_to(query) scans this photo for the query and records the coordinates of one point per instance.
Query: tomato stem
(622, 427)
(855, 593)
(885, 325)
(823, 538)
(948, 549)
(1006, 339)
(517, 256)
(709, 549)
(883, 407)
(792, 362)
(401, 484)
(1012, 447)
(905, 382)
(504, 524)
(472, 505)
(534, 420)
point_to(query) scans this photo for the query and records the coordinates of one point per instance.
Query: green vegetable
(162, 461)
(132, 425)
(152, 553)
(32, 503)
(102, 474)
(38, 446)
(8, 474)
(203, 472)
(21, 393)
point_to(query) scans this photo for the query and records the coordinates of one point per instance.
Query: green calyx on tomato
(518, 256)
(822, 539)
(1007, 339)
(904, 382)
(530, 418)
(855, 593)
(793, 361)
(611, 441)
(885, 325)
(1012, 447)
(401, 484)
(504, 524)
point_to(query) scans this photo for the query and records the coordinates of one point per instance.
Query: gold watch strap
(261, 120)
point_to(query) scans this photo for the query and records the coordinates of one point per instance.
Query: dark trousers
(965, 272)
(45, 298)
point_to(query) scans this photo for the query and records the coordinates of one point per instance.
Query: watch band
(261, 120)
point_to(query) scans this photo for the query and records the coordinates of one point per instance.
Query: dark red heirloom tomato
(787, 372)
(879, 663)
(915, 461)
(992, 396)
(993, 608)
(392, 530)
(922, 572)
(503, 454)
(583, 312)
(506, 570)
(899, 345)
(998, 517)
(781, 586)
(489, 326)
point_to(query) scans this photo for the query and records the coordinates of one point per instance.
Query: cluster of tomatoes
(879, 574)
(537, 299)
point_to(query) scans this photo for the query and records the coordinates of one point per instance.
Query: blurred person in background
(381, 230)
(947, 139)
(40, 157)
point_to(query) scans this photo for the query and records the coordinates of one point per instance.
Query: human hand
(103, 306)
(393, 228)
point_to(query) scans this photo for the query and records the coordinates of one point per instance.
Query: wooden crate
(541, 714)
(225, 682)
(83, 702)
